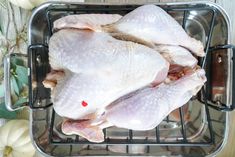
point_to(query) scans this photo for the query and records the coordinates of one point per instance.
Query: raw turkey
(148, 24)
(141, 110)
(129, 72)
(147, 108)
(151, 24)
(177, 55)
(91, 52)
(86, 21)
(98, 70)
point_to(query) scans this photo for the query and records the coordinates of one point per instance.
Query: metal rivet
(219, 59)
(39, 60)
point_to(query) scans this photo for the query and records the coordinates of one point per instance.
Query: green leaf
(20, 84)
(20, 101)
(4, 113)
(17, 61)
(15, 86)
(1, 90)
(22, 73)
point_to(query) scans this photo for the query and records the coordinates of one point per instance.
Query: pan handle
(7, 81)
(233, 78)
(224, 107)
(232, 47)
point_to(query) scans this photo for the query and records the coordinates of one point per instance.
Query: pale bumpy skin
(177, 55)
(143, 110)
(86, 21)
(152, 24)
(90, 52)
(84, 52)
(147, 108)
(104, 69)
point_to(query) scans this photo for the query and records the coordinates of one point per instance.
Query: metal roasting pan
(202, 126)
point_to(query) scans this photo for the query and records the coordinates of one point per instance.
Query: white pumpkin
(27, 4)
(15, 140)
(2, 121)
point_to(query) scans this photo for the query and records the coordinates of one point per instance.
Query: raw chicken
(146, 109)
(100, 81)
(84, 129)
(86, 21)
(177, 55)
(141, 110)
(52, 78)
(91, 52)
(151, 24)
(147, 24)
(99, 69)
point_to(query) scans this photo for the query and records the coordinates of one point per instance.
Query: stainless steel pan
(202, 133)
